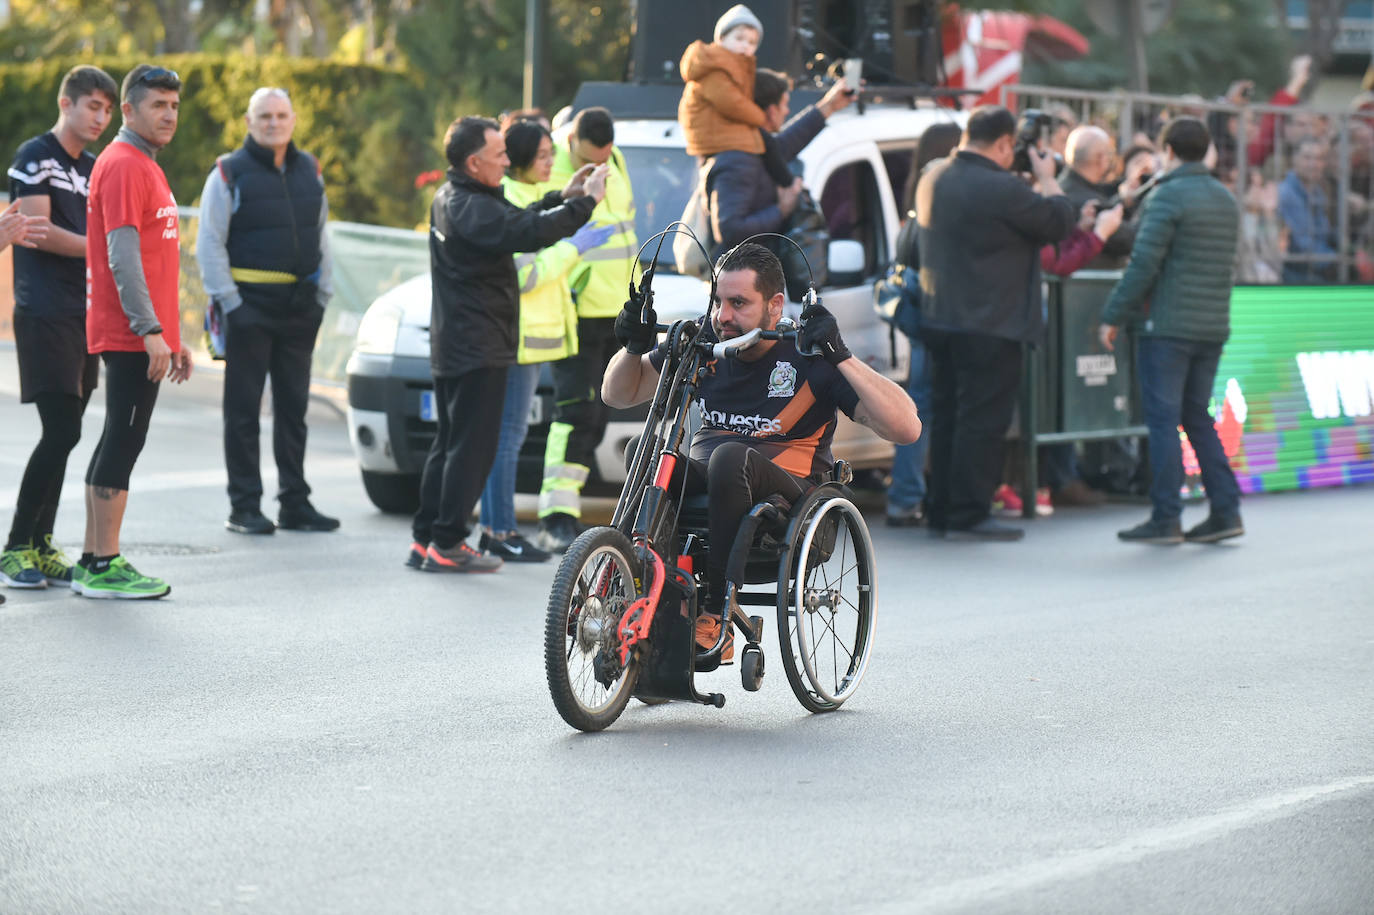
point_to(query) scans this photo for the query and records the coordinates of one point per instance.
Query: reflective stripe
(524, 260)
(555, 501)
(544, 342)
(609, 254)
(249, 275)
(556, 448)
(531, 280)
(574, 473)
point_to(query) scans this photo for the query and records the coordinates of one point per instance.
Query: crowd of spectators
(1303, 182)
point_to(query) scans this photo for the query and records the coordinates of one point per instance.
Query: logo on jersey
(783, 380)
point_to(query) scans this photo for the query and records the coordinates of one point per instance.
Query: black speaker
(664, 28)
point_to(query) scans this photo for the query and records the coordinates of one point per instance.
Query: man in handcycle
(768, 416)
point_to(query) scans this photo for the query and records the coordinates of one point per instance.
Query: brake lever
(809, 301)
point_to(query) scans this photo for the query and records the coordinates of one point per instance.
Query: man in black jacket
(1090, 155)
(742, 198)
(981, 231)
(473, 235)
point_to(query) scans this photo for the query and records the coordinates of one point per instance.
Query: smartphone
(853, 73)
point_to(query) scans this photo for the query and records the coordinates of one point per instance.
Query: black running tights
(35, 510)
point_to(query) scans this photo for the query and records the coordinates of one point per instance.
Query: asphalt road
(1066, 724)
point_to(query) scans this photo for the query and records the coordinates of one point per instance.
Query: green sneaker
(17, 569)
(53, 563)
(122, 581)
(79, 576)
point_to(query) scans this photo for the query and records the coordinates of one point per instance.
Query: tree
(1203, 47)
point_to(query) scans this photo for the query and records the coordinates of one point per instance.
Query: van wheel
(394, 493)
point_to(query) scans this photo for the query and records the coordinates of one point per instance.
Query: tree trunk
(319, 35)
(177, 35)
(1323, 25)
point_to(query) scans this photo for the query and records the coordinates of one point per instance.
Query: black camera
(1033, 130)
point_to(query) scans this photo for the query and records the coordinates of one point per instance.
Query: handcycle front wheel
(594, 586)
(827, 601)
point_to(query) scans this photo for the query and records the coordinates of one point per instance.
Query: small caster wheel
(751, 669)
(652, 700)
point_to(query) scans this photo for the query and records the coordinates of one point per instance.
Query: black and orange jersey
(783, 404)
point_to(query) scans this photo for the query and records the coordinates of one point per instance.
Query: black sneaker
(1165, 533)
(514, 548)
(1214, 529)
(303, 517)
(557, 532)
(249, 522)
(461, 558)
(416, 558)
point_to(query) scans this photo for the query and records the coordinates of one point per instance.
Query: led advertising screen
(1295, 387)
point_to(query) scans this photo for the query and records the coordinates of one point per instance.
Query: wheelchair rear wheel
(827, 600)
(593, 588)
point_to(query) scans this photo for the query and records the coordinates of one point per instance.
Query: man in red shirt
(132, 320)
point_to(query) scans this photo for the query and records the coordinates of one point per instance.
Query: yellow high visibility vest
(602, 279)
(548, 318)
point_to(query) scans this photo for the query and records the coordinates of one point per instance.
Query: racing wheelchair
(622, 613)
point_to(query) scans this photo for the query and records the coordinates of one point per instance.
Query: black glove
(636, 335)
(820, 332)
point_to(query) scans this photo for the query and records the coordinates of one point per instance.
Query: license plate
(427, 407)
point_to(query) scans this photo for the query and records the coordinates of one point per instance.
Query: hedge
(373, 128)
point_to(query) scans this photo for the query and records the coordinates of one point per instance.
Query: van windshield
(663, 179)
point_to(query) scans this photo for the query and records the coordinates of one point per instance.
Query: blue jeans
(498, 497)
(908, 487)
(1176, 380)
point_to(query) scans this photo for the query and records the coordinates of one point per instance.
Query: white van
(856, 167)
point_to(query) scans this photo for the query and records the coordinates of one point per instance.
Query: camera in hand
(1033, 130)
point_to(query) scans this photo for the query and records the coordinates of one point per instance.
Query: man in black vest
(264, 262)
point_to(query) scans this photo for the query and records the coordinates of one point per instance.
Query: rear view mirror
(845, 260)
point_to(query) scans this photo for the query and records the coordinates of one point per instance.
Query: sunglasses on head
(158, 73)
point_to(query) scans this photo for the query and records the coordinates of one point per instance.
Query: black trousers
(35, 510)
(974, 380)
(737, 477)
(129, 401)
(577, 389)
(255, 348)
(469, 411)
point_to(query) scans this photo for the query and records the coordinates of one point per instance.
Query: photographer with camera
(981, 228)
(1091, 158)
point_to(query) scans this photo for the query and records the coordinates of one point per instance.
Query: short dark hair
(767, 268)
(466, 136)
(770, 86)
(522, 143)
(1133, 152)
(1187, 137)
(595, 126)
(137, 82)
(85, 80)
(987, 124)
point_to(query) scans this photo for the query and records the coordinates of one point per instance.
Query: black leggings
(129, 401)
(737, 477)
(35, 510)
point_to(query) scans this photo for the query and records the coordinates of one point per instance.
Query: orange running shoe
(708, 630)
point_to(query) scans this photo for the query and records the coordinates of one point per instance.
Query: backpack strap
(226, 173)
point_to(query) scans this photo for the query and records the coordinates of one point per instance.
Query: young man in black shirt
(49, 178)
(769, 415)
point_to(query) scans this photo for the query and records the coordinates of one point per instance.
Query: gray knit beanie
(739, 14)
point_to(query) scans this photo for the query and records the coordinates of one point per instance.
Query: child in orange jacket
(717, 111)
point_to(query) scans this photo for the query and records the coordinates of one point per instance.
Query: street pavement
(1066, 724)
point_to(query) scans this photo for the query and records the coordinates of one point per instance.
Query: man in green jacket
(1176, 290)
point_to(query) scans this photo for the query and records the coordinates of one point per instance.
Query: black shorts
(52, 356)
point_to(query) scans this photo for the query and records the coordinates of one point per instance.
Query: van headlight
(378, 329)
